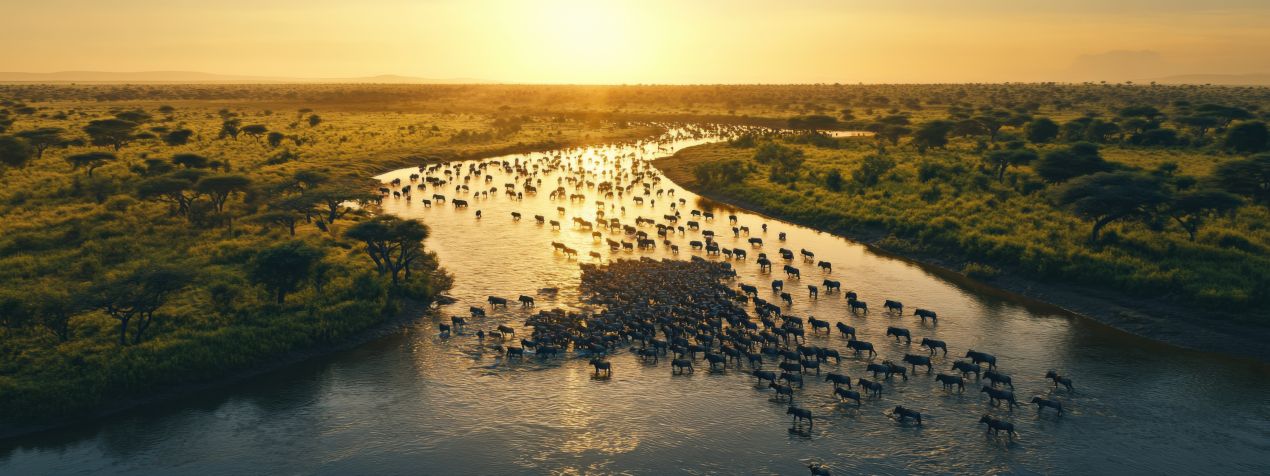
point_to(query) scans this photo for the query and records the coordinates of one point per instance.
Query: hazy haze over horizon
(651, 41)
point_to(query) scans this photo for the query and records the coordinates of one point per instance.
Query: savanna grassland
(1164, 200)
(182, 240)
(159, 235)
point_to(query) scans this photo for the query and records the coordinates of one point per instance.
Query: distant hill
(1255, 79)
(200, 77)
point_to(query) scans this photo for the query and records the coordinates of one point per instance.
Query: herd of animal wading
(693, 312)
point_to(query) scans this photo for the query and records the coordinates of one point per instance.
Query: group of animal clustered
(779, 337)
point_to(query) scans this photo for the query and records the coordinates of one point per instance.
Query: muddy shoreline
(1192, 329)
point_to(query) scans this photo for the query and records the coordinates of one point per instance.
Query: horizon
(585, 43)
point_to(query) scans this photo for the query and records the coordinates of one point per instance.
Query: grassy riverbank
(941, 207)
(223, 246)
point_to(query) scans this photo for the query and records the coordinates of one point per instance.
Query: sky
(645, 41)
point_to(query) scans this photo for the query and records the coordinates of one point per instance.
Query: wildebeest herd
(693, 313)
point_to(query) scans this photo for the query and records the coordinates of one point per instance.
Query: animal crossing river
(418, 402)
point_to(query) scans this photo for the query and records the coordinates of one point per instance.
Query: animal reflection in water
(676, 313)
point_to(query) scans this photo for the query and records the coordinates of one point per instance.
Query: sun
(593, 39)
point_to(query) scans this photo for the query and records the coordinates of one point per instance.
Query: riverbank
(411, 311)
(1195, 329)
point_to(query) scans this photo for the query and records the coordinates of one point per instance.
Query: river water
(419, 403)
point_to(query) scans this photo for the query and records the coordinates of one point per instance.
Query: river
(419, 403)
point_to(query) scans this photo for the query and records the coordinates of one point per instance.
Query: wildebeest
(838, 379)
(1059, 379)
(757, 242)
(777, 285)
(844, 395)
(445, 329)
(905, 413)
(915, 360)
(831, 285)
(516, 216)
(854, 305)
(495, 301)
(799, 415)
(874, 388)
(995, 396)
(893, 368)
(923, 313)
(602, 365)
(790, 379)
(825, 266)
(505, 329)
(966, 368)
(846, 330)
(899, 332)
(859, 346)
(476, 311)
(896, 306)
(877, 369)
(995, 377)
(782, 391)
(817, 324)
(792, 272)
(1041, 403)
(950, 380)
(789, 300)
(716, 359)
(933, 344)
(762, 375)
(995, 426)
(977, 357)
(518, 352)
(526, 301)
(680, 366)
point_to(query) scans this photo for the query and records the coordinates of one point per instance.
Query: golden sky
(644, 41)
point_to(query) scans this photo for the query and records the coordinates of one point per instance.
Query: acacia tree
(112, 132)
(230, 128)
(1082, 158)
(1248, 177)
(932, 134)
(176, 188)
(255, 131)
(392, 243)
(137, 294)
(218, 188)
(1247, 136)
(53, 308)
(1002, 159)
(332, 198)
(1190, 208)
(90, 161)
(190, 161)
(1106, 197)
(282, 269)
(288, 211)
(43, 138)
(178, 137)
(1041, 130)
(14, 152)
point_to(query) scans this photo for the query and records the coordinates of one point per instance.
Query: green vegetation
(156, 235)
(144, 247)
(1185, 225)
